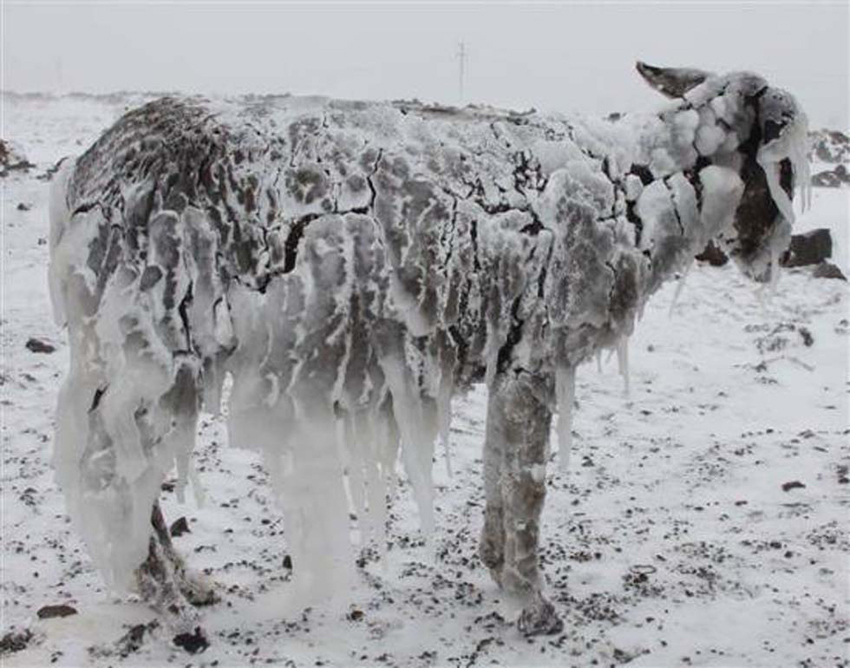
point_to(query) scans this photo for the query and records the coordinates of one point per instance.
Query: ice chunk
(722, 189)
(634, 186)
(684, 126)
(709, 138)
(654, 205)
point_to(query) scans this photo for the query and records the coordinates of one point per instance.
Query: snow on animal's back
(435, 181)
(284, 157)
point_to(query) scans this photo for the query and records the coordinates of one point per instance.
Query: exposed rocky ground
(831, 155)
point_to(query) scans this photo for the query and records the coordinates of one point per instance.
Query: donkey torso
(445, 221)
(351, 265)
(441, 217)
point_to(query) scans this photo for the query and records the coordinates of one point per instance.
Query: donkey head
(741, 123)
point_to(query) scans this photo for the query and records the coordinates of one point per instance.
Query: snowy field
(703, 521)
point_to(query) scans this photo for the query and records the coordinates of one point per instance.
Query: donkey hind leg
(518, 423)
(491, 548)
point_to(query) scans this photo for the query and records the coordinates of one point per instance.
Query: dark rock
(713, 255)
(39, 346)
(12, 159)
(23, 206)
(15, 641)
(179, 527)
(192, 642)
(287, 562)
(830, 146)
(794, 484)
(832, 178)
(135, 637)
(809, 248)
(828, 270)
(51, 611)
(28, 496)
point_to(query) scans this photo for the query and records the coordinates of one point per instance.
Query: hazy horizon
(566, 57)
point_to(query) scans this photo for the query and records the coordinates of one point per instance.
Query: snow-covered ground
(704, 520)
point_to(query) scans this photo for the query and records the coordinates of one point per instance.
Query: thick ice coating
(351, 266)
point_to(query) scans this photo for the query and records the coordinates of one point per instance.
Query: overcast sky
(576, 56)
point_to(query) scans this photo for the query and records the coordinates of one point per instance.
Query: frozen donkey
(350, 266)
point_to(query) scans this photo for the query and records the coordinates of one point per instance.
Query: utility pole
(461, 56)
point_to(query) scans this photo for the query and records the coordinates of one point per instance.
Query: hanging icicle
(623, 362)
(565, 390)
(680, 285)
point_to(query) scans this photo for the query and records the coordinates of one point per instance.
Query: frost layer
(351, 266)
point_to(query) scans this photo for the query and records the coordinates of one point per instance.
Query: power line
(461, 56)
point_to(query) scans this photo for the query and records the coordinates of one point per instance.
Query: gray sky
(551, 56)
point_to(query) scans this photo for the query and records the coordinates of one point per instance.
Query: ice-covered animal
(351, 266)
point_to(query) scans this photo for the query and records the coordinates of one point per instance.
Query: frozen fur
(351, 266)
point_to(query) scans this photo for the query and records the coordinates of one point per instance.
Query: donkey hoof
(200, 592)
(539, 618)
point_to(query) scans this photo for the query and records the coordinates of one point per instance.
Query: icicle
(417, 448)
(599, 361)
(623, 362)
(765, 291)
(316, 510)
(354, 466)
(774, 271)
(444, 415)
(197, 487)
(793, 145)
(565, 389)
(679, 287)
(799, 156)
(376, 480)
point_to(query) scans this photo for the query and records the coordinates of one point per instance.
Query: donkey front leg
(517, 447)
(198, 590)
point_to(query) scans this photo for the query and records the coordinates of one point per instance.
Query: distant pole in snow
(461, 56)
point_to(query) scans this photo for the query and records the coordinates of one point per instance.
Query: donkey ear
(672, 81)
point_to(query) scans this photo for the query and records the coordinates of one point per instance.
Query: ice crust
(350, 267)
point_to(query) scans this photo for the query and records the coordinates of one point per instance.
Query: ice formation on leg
(492, 542)
(518, 424)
